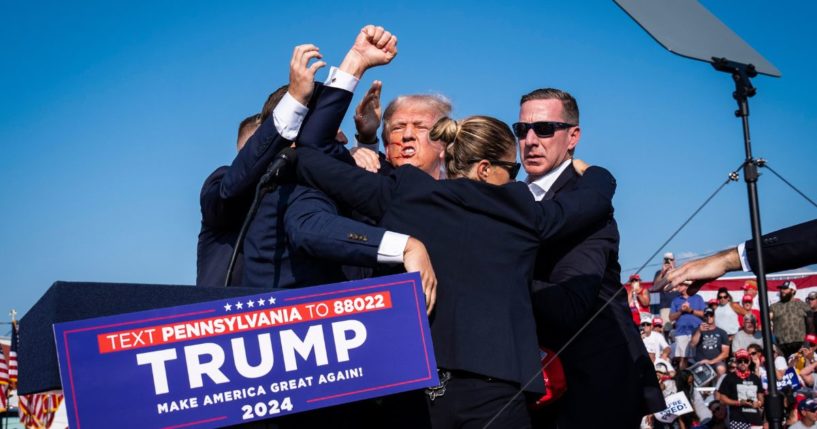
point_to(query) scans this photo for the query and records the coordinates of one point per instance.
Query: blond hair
(473, 138)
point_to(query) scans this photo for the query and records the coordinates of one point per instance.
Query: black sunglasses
(646, 324)
(511, 167)
(723, 296)
(541, 128)
(742, 360)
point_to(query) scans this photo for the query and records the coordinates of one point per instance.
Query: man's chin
(535, 169)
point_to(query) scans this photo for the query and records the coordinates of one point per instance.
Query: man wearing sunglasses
(742, 392)
(574, 279)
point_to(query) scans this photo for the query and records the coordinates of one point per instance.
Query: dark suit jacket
(574, 278)
(788, 248)
(298, 237)
(221, 221)
(228, 192)
(483, 241)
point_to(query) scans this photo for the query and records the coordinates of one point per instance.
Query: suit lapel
(566, 177)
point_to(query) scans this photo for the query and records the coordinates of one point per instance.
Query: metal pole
(774, 402)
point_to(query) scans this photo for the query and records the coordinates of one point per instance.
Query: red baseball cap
(742, 353)
(750, 284)
(810, 338)
(747, 298)
(635, 277)
(657, 321)
(712, 301)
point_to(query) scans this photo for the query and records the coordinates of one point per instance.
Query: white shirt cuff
(744, 259)
(340, 79)
(391, 248)
(288, 116)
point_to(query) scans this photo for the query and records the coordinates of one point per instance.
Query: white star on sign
(228, 307)
(239, 305)
(250, 304)
(261, 302)
(271, 300)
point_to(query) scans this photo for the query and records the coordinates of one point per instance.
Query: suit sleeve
(788, 248)
(217, 212)
(326, 110)
(570, 295)
(354, 188)
(314, 228)
(576, 211)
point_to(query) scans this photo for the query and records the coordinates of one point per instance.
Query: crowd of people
(712, 352)
(511, 270)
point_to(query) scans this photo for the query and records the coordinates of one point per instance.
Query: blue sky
(112, 115)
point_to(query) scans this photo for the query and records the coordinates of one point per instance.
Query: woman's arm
(574, 211)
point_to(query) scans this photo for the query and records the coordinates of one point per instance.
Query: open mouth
(407, 151)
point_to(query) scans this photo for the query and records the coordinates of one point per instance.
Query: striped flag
(12, 363)
(4, 382)
(37, 411)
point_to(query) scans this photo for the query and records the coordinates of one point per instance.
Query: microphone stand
(267, 183)
(741, 74)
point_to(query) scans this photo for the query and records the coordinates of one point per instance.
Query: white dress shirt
(542, 185)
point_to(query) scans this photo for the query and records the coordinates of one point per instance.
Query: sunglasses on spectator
(511, 167)
(723, 296)
(541, 128)
(742, 360)
(646, 324)
(754, 353)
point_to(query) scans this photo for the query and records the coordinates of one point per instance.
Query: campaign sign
(677, 405)
(245, 359)
(789, 379)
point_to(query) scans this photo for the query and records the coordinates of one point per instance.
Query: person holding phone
(742, 392)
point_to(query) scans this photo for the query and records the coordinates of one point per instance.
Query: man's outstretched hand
(302, 74)
(367, 114)
(702, 271)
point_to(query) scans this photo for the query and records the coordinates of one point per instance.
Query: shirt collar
(540, 186)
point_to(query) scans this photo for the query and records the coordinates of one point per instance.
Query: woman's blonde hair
(473, 138)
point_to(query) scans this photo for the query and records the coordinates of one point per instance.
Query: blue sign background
(112, 390)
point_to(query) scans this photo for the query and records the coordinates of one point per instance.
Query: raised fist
(375, 45)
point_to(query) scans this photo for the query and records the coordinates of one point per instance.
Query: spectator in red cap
(658, 326)
(742, 392)
(747, 302)
(637, 297)
(750, 288)
(805, 360)
(655, 343)
(788, 318)
(712, 303)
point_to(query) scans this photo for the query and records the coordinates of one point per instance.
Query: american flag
(37, 411)
(12, 365)
(4, 382)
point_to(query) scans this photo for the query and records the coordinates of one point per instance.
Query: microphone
(284, 158)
